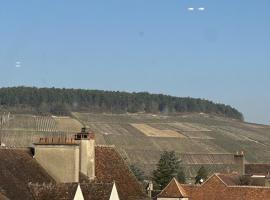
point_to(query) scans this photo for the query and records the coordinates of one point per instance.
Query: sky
(216, 50)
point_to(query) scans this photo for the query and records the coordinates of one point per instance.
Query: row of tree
(168, 167)
(62, 101)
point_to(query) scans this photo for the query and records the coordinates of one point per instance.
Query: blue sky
(221, 53)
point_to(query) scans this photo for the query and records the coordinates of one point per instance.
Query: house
(218, 186)
(173, 191)
(67, 168)
(74, 191)
(259, 174)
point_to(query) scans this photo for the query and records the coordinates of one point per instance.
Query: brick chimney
(239, 160)
(86, 141)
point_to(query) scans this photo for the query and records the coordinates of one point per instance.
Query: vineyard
(24, 130)
(141, 138)
(47, 124)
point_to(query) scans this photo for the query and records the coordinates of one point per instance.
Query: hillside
(140, 138)
(63, 101)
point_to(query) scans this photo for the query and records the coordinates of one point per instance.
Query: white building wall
(87, 158)
(172, 198)
(114, 193)
(78, 194)
(60, 161)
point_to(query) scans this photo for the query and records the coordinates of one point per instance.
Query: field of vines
(24, 130)
(141, 138)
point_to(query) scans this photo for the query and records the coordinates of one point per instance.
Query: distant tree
(137, 172)
(43, 108)
(168, 167)
(60, 109)
(63, 101)
(181, 177)
(201, 175)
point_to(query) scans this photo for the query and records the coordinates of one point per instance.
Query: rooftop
(111, 167)
(20, 175)
(257, 169)
(17, 169)
(173, 190)
(219, 186)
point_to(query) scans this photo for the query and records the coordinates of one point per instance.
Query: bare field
(20, 122)
(184, 126)
(67, 124)
(153, 132)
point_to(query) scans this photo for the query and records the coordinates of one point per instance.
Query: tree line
(62, 101)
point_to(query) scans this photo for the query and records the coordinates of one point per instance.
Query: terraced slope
(23, 130)
(142, 137)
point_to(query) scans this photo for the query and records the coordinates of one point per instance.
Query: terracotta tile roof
(111, 167)
(97, 191)
(257, 169)
(173, 190)
(3, 197)
(65, 191)
(216, 188)
(230, 179)
(20, 174)
(17, 169)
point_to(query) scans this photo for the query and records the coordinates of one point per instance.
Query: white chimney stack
(86, 141)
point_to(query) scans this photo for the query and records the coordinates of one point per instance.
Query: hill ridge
(62, 101)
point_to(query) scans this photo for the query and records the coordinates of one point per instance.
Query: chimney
(86, 140)
(150, 189)
(239, 160)
(59, 157)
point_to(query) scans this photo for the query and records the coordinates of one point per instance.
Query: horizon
(217, 51)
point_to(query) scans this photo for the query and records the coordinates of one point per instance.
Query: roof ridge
(165, 187)
(216, 175)
(105, 145)
(206, 154)
(257, 164)
(249, 186)
(179, 187)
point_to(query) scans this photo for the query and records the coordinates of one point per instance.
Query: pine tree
(181, 177)
(167, 168)
(137, 172)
